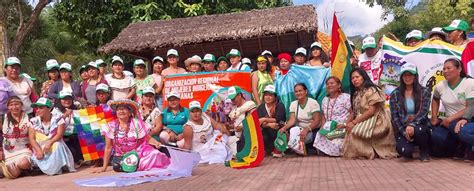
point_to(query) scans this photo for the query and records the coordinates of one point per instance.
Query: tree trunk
(3, 45)
(24, 29)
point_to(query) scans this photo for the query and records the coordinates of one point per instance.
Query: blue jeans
(444, 142)
(466, 135)
(421, 138)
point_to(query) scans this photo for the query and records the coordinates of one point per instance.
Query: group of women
(38, 129)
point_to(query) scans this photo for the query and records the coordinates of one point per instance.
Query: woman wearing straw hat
(14, 148)
(193, 64)
(46, 138)
(129, 133)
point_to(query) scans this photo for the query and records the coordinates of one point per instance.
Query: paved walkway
(291, 173)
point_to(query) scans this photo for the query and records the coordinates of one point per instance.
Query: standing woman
(452, 93)
(457, 33)
(22, 87)
(318, 57)
(122, 86)
(272, 117)
(46, 138)
(172, 57)
(222, 64)
(15, 150)
(128, 133)
(64, 108)
(409, 106)
(158, 65)
(368, 101)
(169, 125)
(88, 87)
(83, 74)
(305, 115)
(52, 67)
(66, 83)
(336, 108)
(260, 78)
(285, 64)
(142, 79)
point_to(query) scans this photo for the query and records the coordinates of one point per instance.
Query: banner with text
(209, 88)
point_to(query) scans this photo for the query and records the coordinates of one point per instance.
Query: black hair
(457, 63)
(417, 92)
(302, 85)
(268, 68)
(62, 108)
(366, 84)
(10, 118)
(55, 69)
(322, 55)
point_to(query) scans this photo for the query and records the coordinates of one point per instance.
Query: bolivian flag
(253, 152)
(341, 53)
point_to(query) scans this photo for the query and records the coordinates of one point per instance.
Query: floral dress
(60, 155)
(337, 110)
(16, 146)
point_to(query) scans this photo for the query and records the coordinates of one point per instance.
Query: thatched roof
(153, 35)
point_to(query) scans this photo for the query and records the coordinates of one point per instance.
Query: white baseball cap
(158, 58)
(148, 90)
(194, 105)
(138, 62)
(66, 66)
(300, 50)
(102, 87)
(116, 59)
(417, 34)
(63, 94)
(99, 62)
(266, 52)
(246, 61)
(12, 61)
(369, 42)
(316, 44)
(270, 89)
(52, 64)
(408, 68)
(172, 52)
(173, 94)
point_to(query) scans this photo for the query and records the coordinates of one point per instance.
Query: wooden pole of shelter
(240, 48)
(278, 42)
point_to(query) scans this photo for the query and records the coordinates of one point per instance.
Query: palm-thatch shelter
(280, 29)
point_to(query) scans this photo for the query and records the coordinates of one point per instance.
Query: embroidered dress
(334, 110)
(60, 155)
(123, 142)
(382, 141)
(16, 146)
(150, 116)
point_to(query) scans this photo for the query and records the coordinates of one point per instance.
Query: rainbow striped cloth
(89, 122)
(253, 152)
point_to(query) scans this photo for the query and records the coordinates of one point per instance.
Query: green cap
(64, 94)
(42, 102)
(233, 91)
(416, 34)
(457, 24)
(138, 62)
(209, 58)
(12, 61)
(130, 161)
(66, 66)
(52, 64)
(25, 75)
(281, 142)
(233, 52)
(369, 42)
(222, 59)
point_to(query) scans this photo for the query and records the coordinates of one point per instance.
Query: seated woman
(336, 108)
(64, 109)
(202, 133)
(128, 133)
(170, 123)
(409, 106)
(452, 93)
(148, 109)
(272, 116)
(46, 138)
(15, 150)
(367, 102)
(305, 116)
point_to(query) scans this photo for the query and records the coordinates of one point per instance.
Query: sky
(354, 16)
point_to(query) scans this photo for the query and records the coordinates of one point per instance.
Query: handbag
(336, 134)
(332, 133)
(365, 128)
(130, 160)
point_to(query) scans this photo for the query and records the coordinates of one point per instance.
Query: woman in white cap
(260, 78)
(414, 38)
(88, 87)
(15, 150)
(148, 109)
(193, 64)
(66, 83)
(199, 130)
(64, 108)
(336, 113)
(121, 85)
(172, 57)
(272, 117)
(52, 68)
(83, 74)
(158, 65)
(142, 79)
(300, 56)
(50, 152)
(169, 125)
(409, 107)
(318, 57)
(436, 33)
(22, 87)
(128, 133)
(102, 95)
